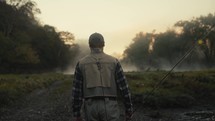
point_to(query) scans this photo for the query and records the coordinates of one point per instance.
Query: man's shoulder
(83, 59)
(104, 57)
(111, 58)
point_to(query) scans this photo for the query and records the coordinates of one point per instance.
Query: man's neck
(96, 50)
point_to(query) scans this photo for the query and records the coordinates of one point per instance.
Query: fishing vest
(98, 75)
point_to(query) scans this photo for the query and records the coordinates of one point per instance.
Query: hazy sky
(119, 20)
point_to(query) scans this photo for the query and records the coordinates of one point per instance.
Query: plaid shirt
(77, 95)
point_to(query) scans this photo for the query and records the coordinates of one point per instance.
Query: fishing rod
(179, 61)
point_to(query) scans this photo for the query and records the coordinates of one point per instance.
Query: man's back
(97, 79)
(98, 71)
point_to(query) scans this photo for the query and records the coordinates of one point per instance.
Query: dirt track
(52, 105)
(41, 105)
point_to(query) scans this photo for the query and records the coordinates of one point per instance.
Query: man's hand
(78, 119)
(128, 116)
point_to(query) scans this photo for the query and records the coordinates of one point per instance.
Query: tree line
(163, 50)
(27, 45)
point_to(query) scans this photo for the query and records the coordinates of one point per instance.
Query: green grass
(66, 84)
(180, 89)
(14, 86)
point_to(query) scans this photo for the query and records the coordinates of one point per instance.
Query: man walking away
(98, 80)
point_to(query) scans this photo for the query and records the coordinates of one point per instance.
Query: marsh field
(182, 96)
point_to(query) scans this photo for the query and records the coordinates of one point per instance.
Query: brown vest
(99, 75)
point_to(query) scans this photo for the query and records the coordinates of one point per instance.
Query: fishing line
(179, 61)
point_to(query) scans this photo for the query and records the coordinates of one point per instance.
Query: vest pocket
(96, 77)
(92, 77)
(107, 74)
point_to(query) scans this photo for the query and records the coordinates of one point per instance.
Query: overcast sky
(119, 20)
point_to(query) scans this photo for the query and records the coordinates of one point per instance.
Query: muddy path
(55, 104)
(41, 105)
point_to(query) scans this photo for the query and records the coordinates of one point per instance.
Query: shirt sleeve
(77, 95)
(123, 88)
